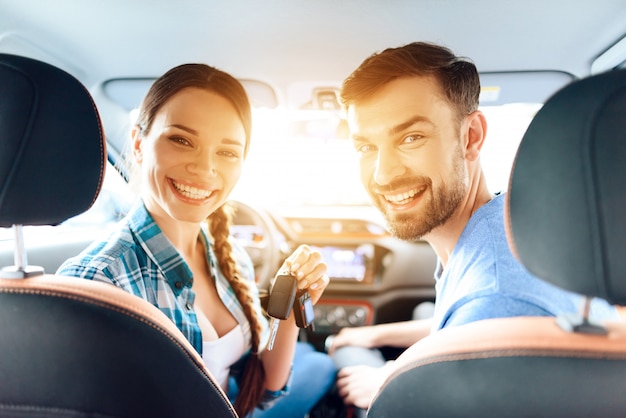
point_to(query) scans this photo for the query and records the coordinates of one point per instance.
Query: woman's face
(192, 156)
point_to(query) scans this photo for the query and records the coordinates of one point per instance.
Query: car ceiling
(286, 42)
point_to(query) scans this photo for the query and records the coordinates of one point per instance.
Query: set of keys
(285, 297)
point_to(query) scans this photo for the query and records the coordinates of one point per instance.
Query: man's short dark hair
(457, 76)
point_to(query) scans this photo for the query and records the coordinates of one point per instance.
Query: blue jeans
(313, 375)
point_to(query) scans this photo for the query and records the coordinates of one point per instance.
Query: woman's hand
(307, 266)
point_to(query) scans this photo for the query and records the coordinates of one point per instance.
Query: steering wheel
(260, 237)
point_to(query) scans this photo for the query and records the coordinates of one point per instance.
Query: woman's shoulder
(101, 254)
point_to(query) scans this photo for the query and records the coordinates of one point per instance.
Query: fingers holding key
(307, 265)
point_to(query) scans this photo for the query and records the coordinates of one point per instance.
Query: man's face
(411, 155)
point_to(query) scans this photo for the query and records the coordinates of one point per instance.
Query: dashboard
(374, 277)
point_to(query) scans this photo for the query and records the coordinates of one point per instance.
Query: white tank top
(220, 354)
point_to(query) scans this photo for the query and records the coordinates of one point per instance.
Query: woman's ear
(136, 139)
(476, 131)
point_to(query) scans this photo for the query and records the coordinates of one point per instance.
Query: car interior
(72, 75)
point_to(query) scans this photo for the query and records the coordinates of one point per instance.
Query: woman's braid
(253, 381)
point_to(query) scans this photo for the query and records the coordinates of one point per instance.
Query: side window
(111, 205)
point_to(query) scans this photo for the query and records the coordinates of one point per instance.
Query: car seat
(565, 217)
(71, 347)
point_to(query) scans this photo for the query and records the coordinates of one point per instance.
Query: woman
(188, 147)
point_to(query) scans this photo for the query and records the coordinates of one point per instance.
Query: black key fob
(303, 309)
(282, 296)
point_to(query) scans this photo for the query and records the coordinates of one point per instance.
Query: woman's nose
(203, 163)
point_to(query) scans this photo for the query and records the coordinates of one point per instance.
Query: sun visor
(129, 92)
(520, 87)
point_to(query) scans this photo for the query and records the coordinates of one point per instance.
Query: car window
(111, 205)
(305, 158)
(506, 125)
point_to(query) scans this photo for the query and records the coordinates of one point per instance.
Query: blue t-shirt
(483, 279)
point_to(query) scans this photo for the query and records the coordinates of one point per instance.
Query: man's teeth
(402, 197)
(192, 192)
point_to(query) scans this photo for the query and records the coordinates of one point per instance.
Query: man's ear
(476, 130)
(136, 139)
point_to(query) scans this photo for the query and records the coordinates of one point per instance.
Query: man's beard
(441, 204)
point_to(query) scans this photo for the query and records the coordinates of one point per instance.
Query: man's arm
(396, 334)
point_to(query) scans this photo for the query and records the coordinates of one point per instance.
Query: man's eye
(364, 148)
(412, 138)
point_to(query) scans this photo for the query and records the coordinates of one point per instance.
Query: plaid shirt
(140, 259)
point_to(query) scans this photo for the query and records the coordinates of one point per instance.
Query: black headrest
(52, 148)
(566, 206)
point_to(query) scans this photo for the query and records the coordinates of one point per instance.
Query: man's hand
(395, 334)
(357, 385)
(358, 336)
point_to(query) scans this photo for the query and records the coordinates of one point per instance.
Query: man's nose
(388, 167)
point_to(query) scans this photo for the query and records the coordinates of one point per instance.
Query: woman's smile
(191, 193)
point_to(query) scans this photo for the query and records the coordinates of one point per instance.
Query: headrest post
(580, 322)
(21, 269)
(20, 258)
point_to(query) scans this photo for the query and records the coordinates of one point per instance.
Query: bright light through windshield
(296, 158)
(305, 158)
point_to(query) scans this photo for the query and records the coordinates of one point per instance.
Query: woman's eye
(179, 140)
(229, 154)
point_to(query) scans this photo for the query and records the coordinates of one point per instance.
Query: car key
(303, 310)
(273, 330)
(281, 299)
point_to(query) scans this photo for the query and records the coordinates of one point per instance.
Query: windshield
(305, 158)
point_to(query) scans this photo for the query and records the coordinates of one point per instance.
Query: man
(414, 120)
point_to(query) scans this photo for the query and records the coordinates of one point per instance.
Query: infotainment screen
(348, 263)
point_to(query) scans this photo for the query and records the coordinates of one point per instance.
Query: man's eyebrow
(404, 125)
(394, 130)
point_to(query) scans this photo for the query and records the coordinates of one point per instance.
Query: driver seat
(71, 347)
(566, 222)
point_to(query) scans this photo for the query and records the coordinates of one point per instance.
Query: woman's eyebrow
(228, 141)
(184, 128)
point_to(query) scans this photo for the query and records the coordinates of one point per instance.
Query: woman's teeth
(192, 192)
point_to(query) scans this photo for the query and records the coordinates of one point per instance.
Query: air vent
(335, 227)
